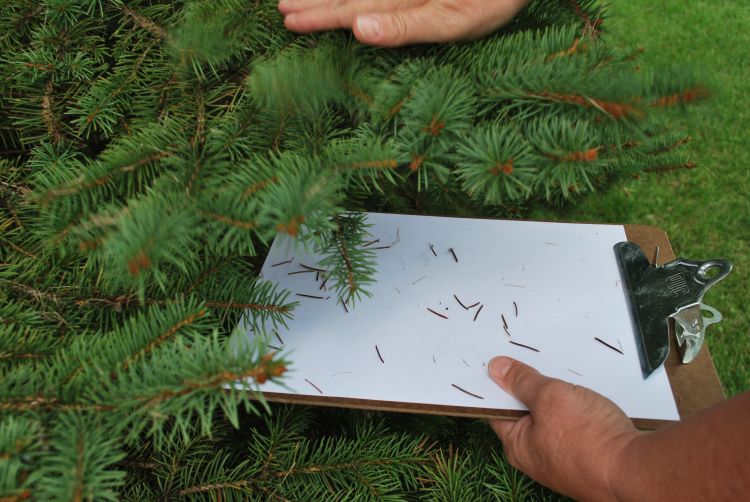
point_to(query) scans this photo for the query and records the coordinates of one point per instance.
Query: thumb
(399, 27)
(517, 379)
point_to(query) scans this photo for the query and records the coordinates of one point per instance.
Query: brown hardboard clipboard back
(695, 386)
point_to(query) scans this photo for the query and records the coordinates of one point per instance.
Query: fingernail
(369, 27)
(499, 366)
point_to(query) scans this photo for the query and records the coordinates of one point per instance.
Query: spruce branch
(189, 320)
(506, 482)
(452, 476)
(591, 27)
(615, 110)
(498, 164)
(38, 403)
(81, 184)
(18, 248)
(19, 343)
(50, 120)
(192, 382)
(144, 22)
(20, 450)
(258, 186)
(349, 264)
(79, 465)
(684, 97)
(671, 146)
(232, 222)
(97, 110)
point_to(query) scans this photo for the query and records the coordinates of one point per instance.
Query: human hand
(390, 23)
(573, 440)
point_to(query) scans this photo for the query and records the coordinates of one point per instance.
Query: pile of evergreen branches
(149, 153)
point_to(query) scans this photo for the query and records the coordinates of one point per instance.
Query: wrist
(622, 468)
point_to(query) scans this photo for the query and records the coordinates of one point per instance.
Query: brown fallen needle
(281, 263)
(505, 323)
(472, 306)
(466, 391)
(454, 254)
(478, 311)
(432, 248)
(316, 387)
(608, 345)
(515, 306)
(344, 304)
(437, 313)
(524, 346)
(311, 269)
(460, 302)
(379, 356)
(366, 244)
(311, 296)
(507, 332)
(301, 272)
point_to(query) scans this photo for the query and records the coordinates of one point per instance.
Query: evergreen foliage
(149, 153)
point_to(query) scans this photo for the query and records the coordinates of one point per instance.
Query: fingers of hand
(405, 26)
(315, 15)
(519, 380)
(290, 6)
(515, 436)
(386, 23)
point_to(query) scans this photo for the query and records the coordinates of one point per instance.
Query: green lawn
(706, 211)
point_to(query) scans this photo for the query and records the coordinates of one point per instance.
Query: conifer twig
(45, 403)
(80, 184)
(210, 487)
(144, 22)
(163, 337)
(590, 28)
(260, 374)
(232, 222)
(667, 148)
(258, 186)
(48, 115)
(347, 260)
(21, 355)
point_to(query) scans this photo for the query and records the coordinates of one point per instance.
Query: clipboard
(694, 386)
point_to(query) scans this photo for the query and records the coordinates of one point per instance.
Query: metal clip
(690, 329)
(672, 291)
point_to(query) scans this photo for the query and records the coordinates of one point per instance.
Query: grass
(705, 211)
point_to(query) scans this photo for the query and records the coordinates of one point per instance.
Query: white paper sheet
(563, 278)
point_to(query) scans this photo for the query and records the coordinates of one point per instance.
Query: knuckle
(340, 11)
(520, 375)
(400, 25)
(454, 28)
(550, 393)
